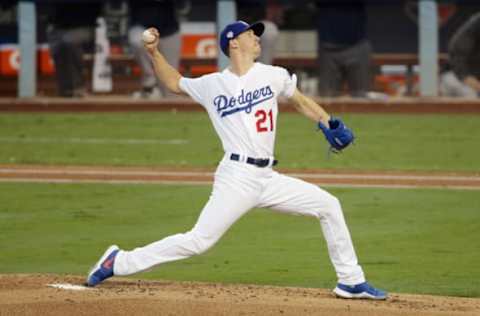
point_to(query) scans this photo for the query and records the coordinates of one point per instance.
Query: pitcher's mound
(42, 294)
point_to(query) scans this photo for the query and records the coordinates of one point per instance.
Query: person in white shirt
(242, 104)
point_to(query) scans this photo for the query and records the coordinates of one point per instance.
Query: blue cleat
(362, 290)
(103, 269)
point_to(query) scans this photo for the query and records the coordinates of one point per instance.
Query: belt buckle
(262, 163)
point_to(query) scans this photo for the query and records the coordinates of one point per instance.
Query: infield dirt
(30, 295)
(111, 174)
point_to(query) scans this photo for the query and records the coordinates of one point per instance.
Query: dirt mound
(31, 295)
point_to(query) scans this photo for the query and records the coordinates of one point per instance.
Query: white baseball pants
(239, 187)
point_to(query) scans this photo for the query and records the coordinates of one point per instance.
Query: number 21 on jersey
(264, 121)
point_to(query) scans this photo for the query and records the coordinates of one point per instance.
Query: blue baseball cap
(236, 28)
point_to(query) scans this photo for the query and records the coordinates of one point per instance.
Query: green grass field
(420, 241)
(411, 241)
(384, 142)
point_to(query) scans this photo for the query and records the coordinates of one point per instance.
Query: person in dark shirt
(270, 13)
(463, 72)
(161, 14)
(71, 29)
(343, 48)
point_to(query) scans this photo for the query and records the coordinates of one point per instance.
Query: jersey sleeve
(288, 83)
(195, 88)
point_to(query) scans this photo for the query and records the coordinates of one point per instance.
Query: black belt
(259, 162)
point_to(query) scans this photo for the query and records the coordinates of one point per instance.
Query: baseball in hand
(148, 37)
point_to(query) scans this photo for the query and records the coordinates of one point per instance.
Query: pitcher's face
(249, 43)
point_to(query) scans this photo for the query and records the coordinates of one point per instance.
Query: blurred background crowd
(356, 48)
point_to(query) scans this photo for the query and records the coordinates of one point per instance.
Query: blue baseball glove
(337, 134)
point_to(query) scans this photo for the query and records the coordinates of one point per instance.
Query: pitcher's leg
(224, 207)
(294, 196)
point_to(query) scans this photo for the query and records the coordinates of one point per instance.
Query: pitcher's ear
(233, 44)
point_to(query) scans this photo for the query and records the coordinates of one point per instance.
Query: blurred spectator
(8, 21)
(270, 12)
(461, 78)
(163, 15)
(71, 29)
(343, 48)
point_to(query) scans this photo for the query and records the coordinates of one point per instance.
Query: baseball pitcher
(241, 102)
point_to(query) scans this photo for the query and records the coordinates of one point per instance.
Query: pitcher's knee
(328, 205)
(334, 204)
(200, 242)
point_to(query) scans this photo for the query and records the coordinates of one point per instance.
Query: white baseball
(148, 37)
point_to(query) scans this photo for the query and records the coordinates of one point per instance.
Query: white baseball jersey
(243, 109)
